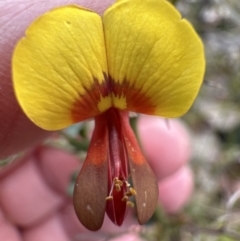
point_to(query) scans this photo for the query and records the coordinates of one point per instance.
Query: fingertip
(166, 145)
(25, 197)
(51, 229)
(18, 134)
(127, 237)
(70, 222)
(175, 190)
(8, 232)
(57, 167)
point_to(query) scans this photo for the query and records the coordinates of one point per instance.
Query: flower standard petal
(155, 58)
(59, 68)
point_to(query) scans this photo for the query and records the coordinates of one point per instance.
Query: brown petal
(145, 184)
(143, 178)
(91, 187)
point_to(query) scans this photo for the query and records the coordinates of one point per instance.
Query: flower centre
(114, 160)
(119, 188)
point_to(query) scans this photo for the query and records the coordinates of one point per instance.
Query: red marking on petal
(137, 100)
(87, 105)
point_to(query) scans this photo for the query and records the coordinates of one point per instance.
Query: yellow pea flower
(74, 65)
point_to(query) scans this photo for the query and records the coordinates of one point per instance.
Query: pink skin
(32, 191)
(164, 159)
(127, 237)
(175, 190)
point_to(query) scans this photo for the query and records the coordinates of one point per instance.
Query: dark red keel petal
(91, 188)
(143, 178)
(118, 168)
(116, 208)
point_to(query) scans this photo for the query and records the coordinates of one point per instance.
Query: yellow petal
(59, 67)
(155, 58)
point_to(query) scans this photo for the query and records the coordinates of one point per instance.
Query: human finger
(166, 145)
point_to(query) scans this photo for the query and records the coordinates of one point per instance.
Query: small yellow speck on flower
(130, 204)
(109, 198)
(132, 191)
(125, 198)
(74, 64)
(117, 187)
